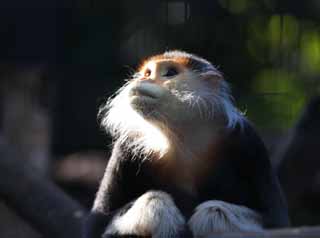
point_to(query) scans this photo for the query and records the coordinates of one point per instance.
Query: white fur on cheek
(123, 122)
(207, 101)
(233, 115)
(217, 216)
(154, 213)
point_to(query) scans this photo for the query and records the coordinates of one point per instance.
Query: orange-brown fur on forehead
(184, 61)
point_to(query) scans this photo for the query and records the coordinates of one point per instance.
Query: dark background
(60, 60)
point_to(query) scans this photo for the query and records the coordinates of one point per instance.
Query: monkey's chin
(143, 104)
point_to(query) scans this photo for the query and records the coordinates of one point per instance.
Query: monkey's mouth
(142, 93)
(142, 100)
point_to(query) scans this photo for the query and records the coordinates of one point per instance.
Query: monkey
(185, 161)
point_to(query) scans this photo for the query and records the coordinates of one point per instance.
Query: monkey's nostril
(145, 79)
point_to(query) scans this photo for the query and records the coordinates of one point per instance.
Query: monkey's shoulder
(243, 145)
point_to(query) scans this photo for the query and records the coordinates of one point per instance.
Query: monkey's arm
(111, 195)
(251, 199)
(274, 207)
(256, 164)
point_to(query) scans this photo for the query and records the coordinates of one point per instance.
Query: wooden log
(299, 232)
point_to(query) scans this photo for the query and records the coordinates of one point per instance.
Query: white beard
(144, 138)
(130, 128)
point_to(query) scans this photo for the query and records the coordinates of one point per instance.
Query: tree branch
(37, 200)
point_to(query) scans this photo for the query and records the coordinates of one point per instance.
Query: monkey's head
(170, 95)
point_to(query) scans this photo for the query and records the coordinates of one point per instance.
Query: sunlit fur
(204, 103)
(152, 213)
(124, 123)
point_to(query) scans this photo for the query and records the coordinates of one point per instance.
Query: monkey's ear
(211, 75)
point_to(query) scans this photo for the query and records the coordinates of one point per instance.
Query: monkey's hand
(218, 216)
(152, 214)
(158, 103)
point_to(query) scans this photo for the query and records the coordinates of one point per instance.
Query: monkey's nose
(152, 80)
(146, 79)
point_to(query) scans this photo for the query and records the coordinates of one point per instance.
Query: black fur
(243, 176)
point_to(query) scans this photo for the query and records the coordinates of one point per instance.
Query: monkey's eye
(147, 73)
(171, 72)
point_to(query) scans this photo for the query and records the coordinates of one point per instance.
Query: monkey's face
(172, 92)
(167, 91)
(154, 91)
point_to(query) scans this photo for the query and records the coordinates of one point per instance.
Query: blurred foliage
(283, 100)
(285, 54)
(310, 52)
